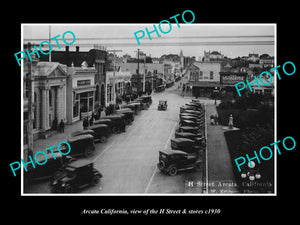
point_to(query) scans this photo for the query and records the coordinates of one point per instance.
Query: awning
(205, 84)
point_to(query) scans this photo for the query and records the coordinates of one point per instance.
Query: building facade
(80, 92)
(49, 97)
(118, 83)
(204, 77)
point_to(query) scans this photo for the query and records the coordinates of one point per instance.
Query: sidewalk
(220, 174)
(42, 144)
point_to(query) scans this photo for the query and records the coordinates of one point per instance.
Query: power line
(162, 37)
(194, 43)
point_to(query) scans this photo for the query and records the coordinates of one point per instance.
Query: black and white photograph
(144, 109)
(183, 111)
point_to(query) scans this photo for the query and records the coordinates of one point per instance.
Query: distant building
(253, 57)
(212, 56)
(204, 77)
(266, 61)
(263, 89)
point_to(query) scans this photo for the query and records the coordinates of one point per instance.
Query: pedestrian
(62, 126)
(54, 124)
(212, 120)
(91, 121)
(216, 119)
(85, 123)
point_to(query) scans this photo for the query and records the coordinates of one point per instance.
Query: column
(44, 108)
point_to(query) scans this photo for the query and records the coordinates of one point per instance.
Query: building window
(86, 101)
(211, 75)
(200, 75)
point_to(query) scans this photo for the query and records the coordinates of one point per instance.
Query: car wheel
(114, 129)
(173, 170)
(103, 139)
(96, 180)
(197, 166)
(161, 165)
(87, 152)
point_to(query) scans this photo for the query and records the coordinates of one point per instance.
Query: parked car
(75, 176)
(101, 132)
(80, 145)
(172, 161)
(160, 88)
(117, 123)
(143, 105)
(162, 105)
(82, 132)
(135, 106)
(191, 111)
(128, 115)
(187, 145)
(48, 170)
(146, 99)
(103, 121)
(192, 118)
(185, 107)
(194, 137)
(189, 123)
(194, 130)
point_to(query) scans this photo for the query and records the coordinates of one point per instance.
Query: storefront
(81, 93)
(117, 83)
(229, 79)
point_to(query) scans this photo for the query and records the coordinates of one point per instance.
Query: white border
(157, 194)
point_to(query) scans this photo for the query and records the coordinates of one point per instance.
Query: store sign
(83, 82)
(232, 79)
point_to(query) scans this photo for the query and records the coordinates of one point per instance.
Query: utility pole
(114, 72)
(50, 43)
(138, 65)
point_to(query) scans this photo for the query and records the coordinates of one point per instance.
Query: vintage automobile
(118, 123)
(160, 88)
(128, 115)
(146, 99)
(101, 132)
(82, 132)
(185, 107)
(47, 171)
(172, 161)
(194, 137)
(187, 145)
(75, 176)
(80, 145)
(189, 123)
(143, 105)
(194, 112)
(192, 118)
(194, 130)
(198, 106)
(135, 106)
(162, 105)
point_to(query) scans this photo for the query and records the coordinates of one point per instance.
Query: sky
(231, 40)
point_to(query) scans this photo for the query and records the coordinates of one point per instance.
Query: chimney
(67, 48)
(77, 48)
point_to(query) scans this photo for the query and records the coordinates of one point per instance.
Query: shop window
(211, 75)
